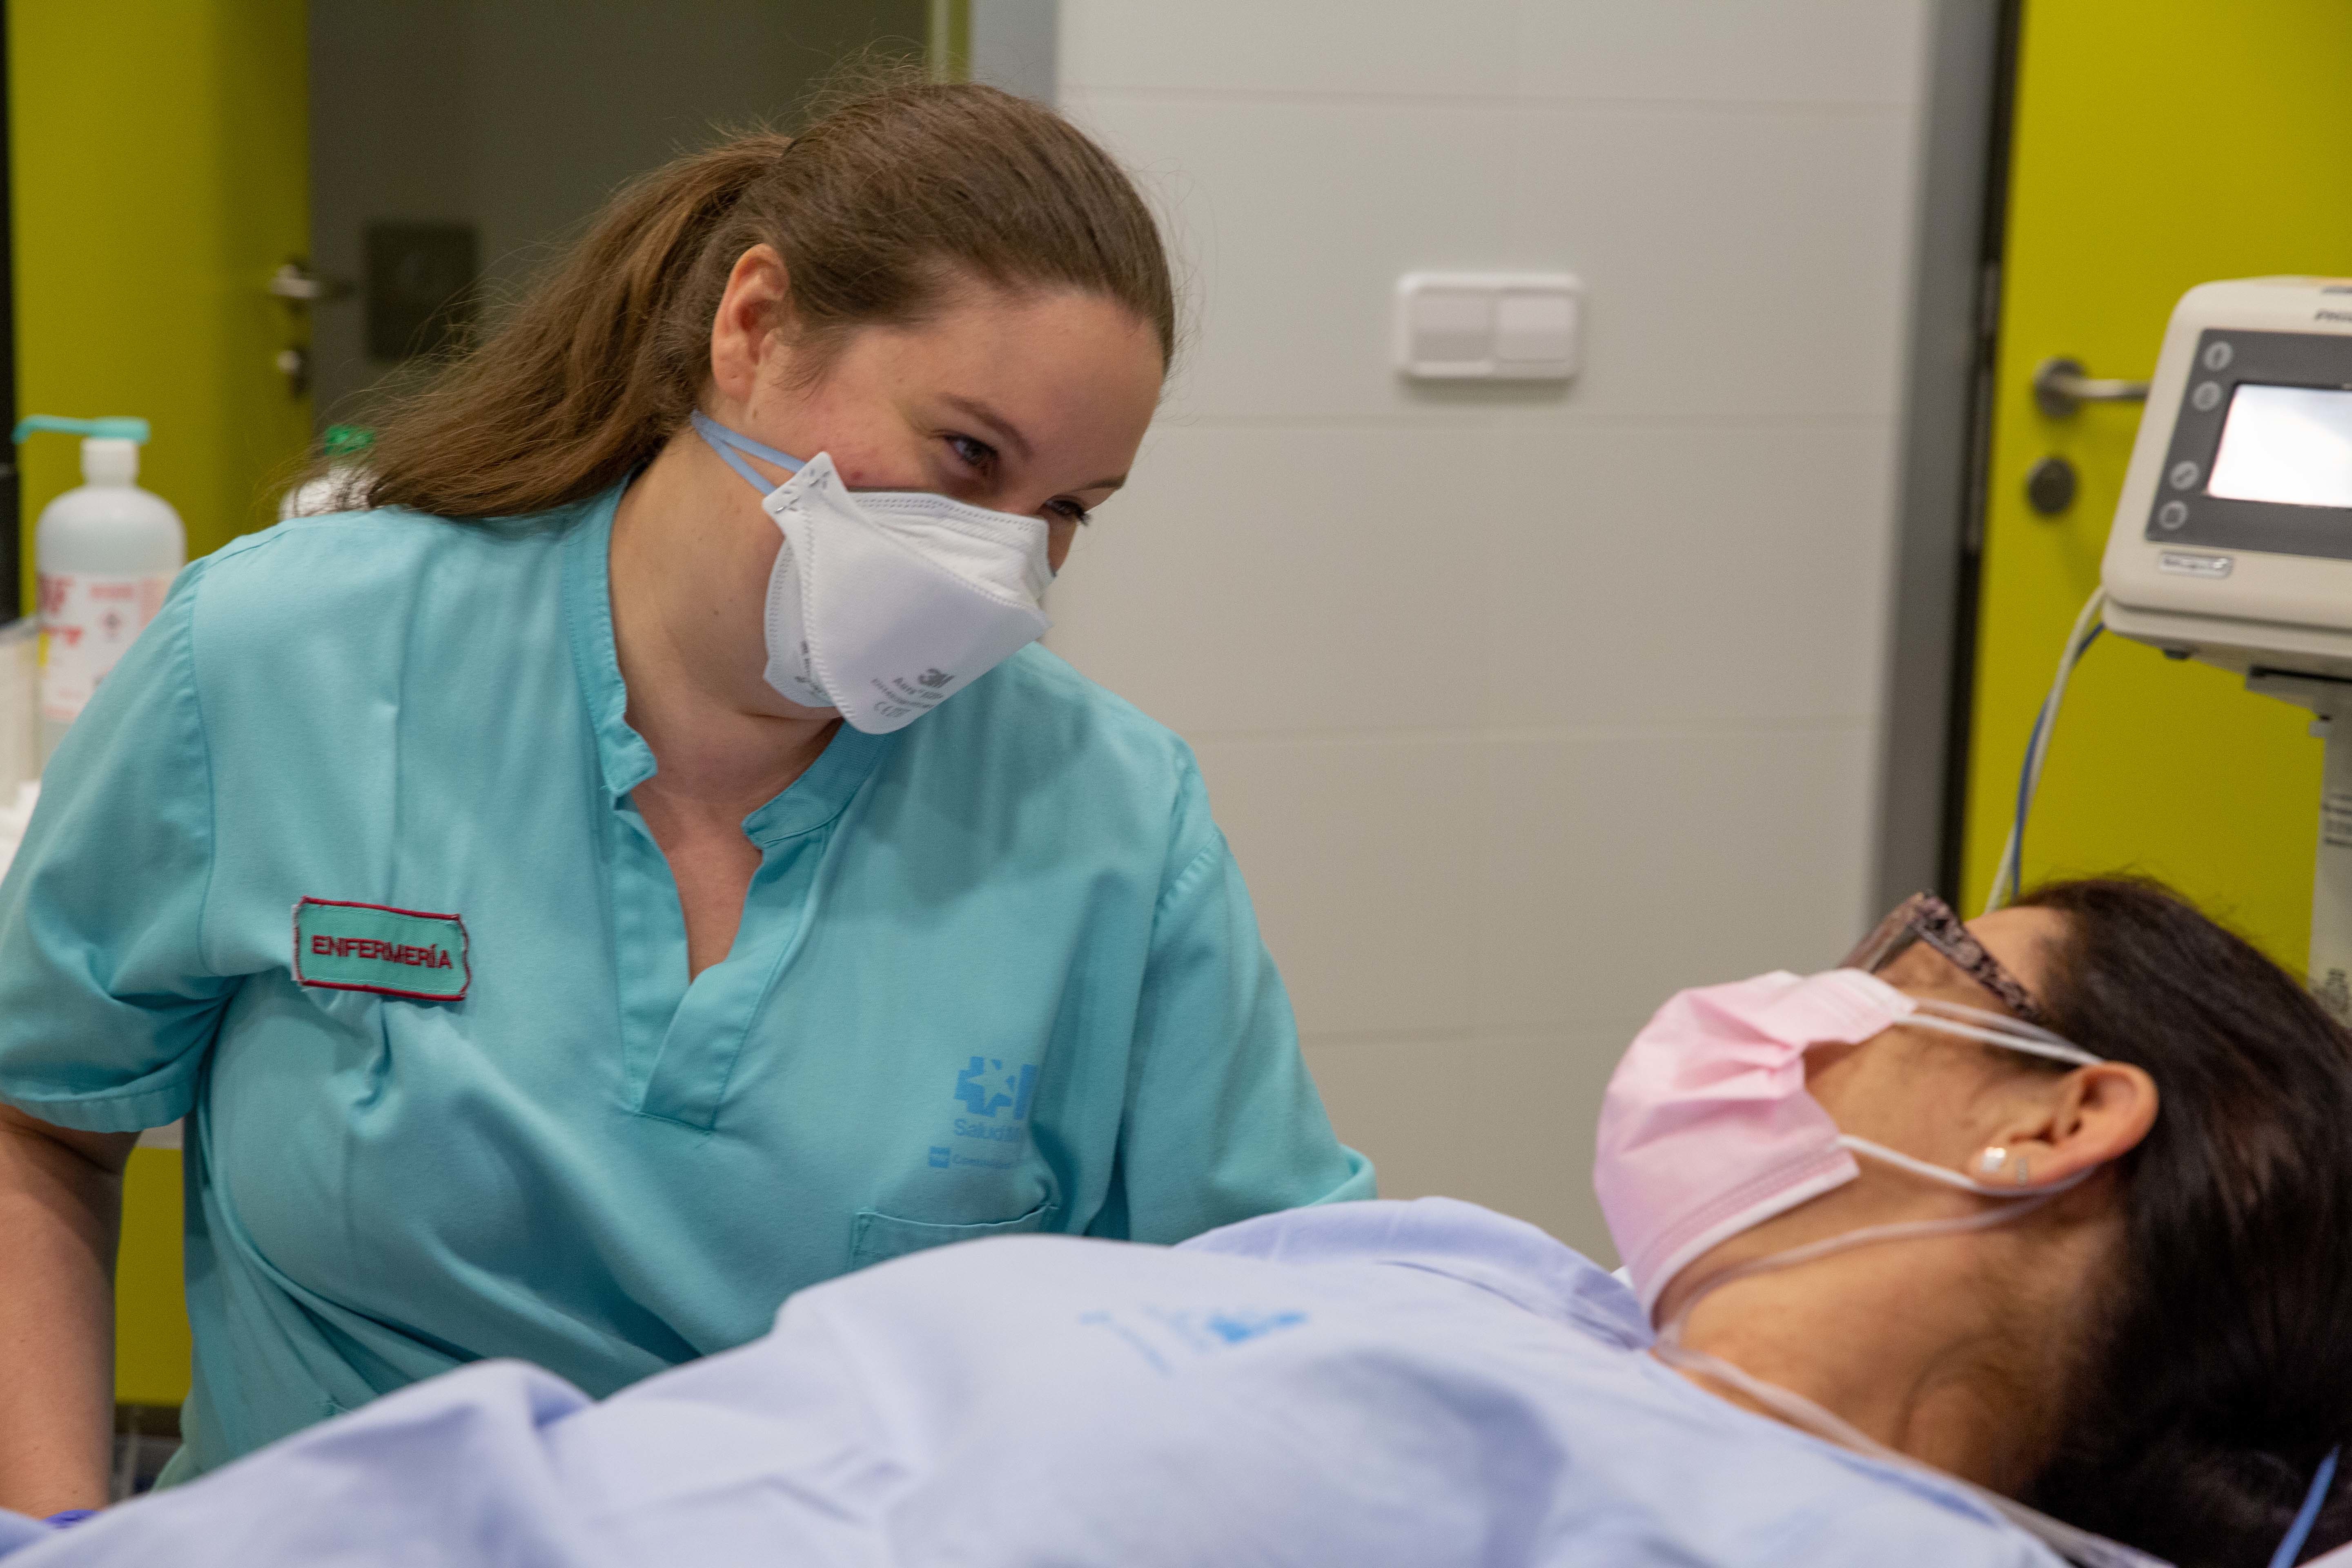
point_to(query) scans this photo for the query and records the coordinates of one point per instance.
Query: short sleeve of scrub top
(996, 973)
(107, 998)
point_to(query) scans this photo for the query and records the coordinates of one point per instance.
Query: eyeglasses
(1924, 917)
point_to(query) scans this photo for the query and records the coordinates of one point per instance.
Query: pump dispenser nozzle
(116, 427)
(110, 448)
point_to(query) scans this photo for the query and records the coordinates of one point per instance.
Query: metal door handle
(2060, 387)
(293, 280)
(300, 288)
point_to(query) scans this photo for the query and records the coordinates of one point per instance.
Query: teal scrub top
(342, 861)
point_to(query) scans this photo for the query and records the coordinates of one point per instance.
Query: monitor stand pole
(2331, 889)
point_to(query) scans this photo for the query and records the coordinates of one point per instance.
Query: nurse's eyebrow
(999, 426)
(1005, 431)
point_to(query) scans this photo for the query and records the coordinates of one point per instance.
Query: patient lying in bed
(1431, 1383)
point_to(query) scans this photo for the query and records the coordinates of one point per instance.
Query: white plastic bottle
(105, 553)
(345, 448)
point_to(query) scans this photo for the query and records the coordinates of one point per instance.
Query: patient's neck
(1935, 1348)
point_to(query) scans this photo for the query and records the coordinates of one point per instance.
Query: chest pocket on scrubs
(877, 1238)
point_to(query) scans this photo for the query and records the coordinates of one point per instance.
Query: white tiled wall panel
(1522, 706)
(1266, 578)
(1741, 51)
(1698, 231)
(1500, 1120)
(1360, 851)
(1687, 573)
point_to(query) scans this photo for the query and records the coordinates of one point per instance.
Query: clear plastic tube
(2087, 630)
(2077, 1545)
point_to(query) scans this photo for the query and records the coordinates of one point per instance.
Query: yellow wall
(2159, 144)
(949, 44)
(159, 159)
(151, 1318)
(161, 165)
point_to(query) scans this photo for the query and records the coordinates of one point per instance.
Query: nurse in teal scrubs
(580, 899)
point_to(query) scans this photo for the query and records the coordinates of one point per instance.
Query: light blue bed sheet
(1366, 1384)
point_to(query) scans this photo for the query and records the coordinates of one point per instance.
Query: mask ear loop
(728, 444)
(1934, 1173)
(1999, 1029)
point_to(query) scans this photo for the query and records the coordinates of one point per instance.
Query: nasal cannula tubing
(2076, 1544)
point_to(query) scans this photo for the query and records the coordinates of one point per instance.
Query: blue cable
(2300, 1530)
(2025, 773)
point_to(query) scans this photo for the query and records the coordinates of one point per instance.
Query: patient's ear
(2090, 1116)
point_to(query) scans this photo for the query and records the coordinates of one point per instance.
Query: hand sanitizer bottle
(106, 553)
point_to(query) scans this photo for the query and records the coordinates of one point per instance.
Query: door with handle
(455, 146)
(2155, 145)
(159, 165)
(159, 162)
(301, 289)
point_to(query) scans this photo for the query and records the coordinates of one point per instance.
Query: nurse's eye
(978, 456)
(1070, 511)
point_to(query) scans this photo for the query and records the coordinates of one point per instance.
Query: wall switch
(1489, 326)
(420, 286)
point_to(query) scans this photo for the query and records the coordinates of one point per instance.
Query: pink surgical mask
(1707, 1129)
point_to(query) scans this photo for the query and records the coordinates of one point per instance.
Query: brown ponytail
(876, 209)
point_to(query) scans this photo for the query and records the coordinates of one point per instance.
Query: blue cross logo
(1240, 1328)
(987, 1086)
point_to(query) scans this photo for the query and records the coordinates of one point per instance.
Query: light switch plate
(1489, 326)
(421, 279)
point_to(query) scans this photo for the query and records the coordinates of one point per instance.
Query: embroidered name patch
(368, 947)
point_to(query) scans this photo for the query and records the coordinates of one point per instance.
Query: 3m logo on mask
(935, 679)
(988, 1087)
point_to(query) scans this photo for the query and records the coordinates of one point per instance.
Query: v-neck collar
(821, 792)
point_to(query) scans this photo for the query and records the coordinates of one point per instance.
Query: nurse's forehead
(1006, 333)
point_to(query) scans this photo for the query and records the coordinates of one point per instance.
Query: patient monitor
(2232, 542)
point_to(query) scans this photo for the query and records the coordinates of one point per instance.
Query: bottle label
(89, 621)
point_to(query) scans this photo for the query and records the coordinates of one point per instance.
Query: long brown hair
(879, 209)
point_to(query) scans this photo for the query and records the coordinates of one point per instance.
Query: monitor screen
(2288, 445)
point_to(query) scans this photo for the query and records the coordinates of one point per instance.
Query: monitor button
(2172, 514)
(2207, 397)
(2184, 476)
(2217, 354)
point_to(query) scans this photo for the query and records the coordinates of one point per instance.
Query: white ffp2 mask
(884, 604)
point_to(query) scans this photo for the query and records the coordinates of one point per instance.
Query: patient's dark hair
(2222, 1374)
